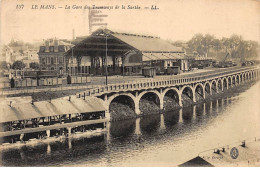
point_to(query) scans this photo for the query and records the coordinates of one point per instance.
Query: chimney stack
(47, 46)
(73, 34)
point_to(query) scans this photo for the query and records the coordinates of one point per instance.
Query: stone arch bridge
(177, 87)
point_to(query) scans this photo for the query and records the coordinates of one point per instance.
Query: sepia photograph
(120, 83)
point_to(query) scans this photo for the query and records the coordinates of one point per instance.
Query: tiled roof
(147, 43)
(26, 110)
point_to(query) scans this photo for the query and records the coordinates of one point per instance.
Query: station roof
(23, 111)
(162, 56)
(121, 43)
(147, 43)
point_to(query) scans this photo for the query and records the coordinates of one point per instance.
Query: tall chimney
(73, 34)
(47, 46)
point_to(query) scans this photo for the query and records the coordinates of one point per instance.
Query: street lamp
(106, 59)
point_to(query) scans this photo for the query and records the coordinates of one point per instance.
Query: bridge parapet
(164, 82)
(140, 84)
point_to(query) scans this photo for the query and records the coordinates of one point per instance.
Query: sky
(174, 20)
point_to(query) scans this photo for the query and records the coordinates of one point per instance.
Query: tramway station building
(122, 53)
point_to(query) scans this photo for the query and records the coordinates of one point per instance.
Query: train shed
(123, 53)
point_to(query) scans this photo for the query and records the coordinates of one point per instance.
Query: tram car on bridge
(174, 70)
(153, 71)
(149, 71)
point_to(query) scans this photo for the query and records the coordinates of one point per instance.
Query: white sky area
(175, 19)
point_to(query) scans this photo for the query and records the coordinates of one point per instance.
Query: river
(167, 139)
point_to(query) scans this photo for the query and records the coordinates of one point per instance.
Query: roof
(59, 42)
(147, 43)
(162, 56)
(23, 111)
(65, 43)
(196, 162)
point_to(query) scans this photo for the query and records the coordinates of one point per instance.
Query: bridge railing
(163, 82)
(141, 83)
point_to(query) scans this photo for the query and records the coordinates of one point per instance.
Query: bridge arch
(213, 85)
(158, 98)
(240, 78)
(244, 76)
(254, 74)
(220, 85)
(233, 80)
(199, 89)
(247, 76)
(132, 101)
(237, 79)
(207, 88)
(250, 75)
(174, 93)
(229, 79)
(187, 92)
(225, 83)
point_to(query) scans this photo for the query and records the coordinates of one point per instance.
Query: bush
(18, 65)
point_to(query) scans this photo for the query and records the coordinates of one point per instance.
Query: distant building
(51, 55)
(12, 54)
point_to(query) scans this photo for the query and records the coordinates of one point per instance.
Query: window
(43, 60)
(42, 49)
(60, 60)
(51, 48)
(52, 60)
(52, 68)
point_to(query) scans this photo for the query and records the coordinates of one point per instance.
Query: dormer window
(51, 48)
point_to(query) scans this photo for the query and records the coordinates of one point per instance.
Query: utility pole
(71, 64)
(106, 60)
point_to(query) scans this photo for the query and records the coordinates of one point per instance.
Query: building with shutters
(51, 55)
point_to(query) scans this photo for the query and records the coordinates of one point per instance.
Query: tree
(34, 65)
(4, 65)
(18, 65)
(195, 44)
(207, 42)
(216, 43)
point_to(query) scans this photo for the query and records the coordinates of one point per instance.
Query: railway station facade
(122, 53)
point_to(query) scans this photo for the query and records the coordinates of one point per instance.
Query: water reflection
(172, 117)
(210, 107)
(162, 124)
(204, 108)
(187, 114)
(180, 116)
(137, 127)
(122, 128)
(194, 113)
(69, 143)
(150, 125)
(48, 149)
(107, 135)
